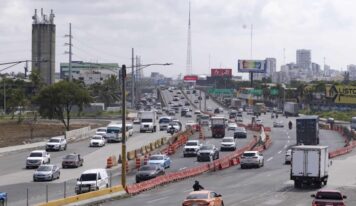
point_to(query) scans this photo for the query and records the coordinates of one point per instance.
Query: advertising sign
(221, 72)
(255, 66)
(190, 78)
(342, 94)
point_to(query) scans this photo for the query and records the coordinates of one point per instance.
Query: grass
(337, 115)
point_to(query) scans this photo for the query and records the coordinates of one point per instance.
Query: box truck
(308, 130)
(309, 165)
(291, 109)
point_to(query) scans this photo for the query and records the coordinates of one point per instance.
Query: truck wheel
(65, 147)
(318, 184)
(297, 184)
(325, 182)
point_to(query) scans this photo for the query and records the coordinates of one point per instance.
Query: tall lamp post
(123, 118)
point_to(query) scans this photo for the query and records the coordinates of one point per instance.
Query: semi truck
(309, 165)
(218, 127)
(291, 109)
(307, 130)
(148, 121)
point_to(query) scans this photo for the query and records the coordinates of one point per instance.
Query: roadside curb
(101, 199)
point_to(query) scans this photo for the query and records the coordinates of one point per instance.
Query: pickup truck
(191, 148)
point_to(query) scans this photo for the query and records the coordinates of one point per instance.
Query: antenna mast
(189, 48)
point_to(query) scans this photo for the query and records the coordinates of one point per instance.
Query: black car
(72, 160)
(217, 111)
(207, 153)
(147, 172)
(240, 132)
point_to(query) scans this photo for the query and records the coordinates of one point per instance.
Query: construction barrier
(109, 162)
(138, 163)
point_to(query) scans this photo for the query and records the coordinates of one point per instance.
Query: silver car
(46, 173)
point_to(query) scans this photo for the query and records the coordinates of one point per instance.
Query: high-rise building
(304, 59)
(270, 64)
(44, 46)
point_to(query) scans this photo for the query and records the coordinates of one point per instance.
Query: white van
(129, 128)
(164, 122)
(114, 133)
(91, 180)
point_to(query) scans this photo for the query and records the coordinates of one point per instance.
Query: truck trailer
(291, 109)
(308, 130)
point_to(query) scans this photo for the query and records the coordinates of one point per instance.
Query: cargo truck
(309, 165)
(291, 109)
(148, 121)
(259, 108)
(308, 130)
(218, 127)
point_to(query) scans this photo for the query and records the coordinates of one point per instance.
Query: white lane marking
(288, 141)
(285, 146)
(158, 199)
(280, 152)
(288, 137)
(269, 159)
(182, 168)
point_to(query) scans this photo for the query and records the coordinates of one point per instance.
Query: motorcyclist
(171, 129)
(290, 124)
(197, 186)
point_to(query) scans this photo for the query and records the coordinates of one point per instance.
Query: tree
(56, 101)
(107, 92)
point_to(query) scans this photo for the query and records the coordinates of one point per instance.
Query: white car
(259, 122)
(209, 109)
(251, 159)
(288, 157)
(101, 131)
(228, 143)
(56, 143)
(97, 141)
(232, 126)
(197, 112)
(278, 124)
(191, 148)
(37, 158)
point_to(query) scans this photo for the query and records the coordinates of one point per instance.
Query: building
(351, 69)
(304, 59)
(270, 64)
(315, 70)
(80, 68)
(44, 46)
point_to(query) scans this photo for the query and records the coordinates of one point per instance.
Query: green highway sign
(221, 91)
(274, 91)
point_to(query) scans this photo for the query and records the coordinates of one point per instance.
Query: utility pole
(69, 44)
(4, 95)
(123, 110)
(137, 84)
(133, 80)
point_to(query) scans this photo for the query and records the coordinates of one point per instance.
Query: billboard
(221, 72)
(255, 66)
(342, 94)
(190, 78)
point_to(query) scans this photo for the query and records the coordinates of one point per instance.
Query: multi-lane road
(269, 185)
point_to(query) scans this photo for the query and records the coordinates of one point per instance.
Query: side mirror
(313, 195)
(218, 195)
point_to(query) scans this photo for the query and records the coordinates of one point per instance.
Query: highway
(269, 185)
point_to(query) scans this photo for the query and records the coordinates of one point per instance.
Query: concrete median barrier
(85, 196)
(131, 155)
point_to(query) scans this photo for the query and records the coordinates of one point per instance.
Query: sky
(104, 31)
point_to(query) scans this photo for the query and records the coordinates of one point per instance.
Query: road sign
(221, 91)
(274, 91)
(256, 66)
(343, 94)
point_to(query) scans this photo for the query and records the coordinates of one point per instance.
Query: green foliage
(56, 101)
(108, 92)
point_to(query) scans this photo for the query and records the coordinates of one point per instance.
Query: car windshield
(54, 140)
(206, 147)
(164, 120)
(113, 130)
(70, 157)
(329, 195)
(156, 158)
(197, 196)
(101, 130)
(249, 154)
(36, 154)
(191, 143)
(88, 177)
(227, 140)
(146, 120)
(96, 137)
(147, 168)
(44, 168)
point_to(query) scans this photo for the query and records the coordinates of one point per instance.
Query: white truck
(309, 165)
(291, 109)
(148, 121)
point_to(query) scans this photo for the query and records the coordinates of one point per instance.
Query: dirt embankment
(12, 133)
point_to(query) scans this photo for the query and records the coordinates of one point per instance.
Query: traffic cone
(145, 160)
(109, 162)
(119, 160)
(127, 166)
(138, 163)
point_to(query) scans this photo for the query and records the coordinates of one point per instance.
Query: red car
(328, 198)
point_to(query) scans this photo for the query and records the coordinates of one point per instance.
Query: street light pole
(132, 79)
(123, 128)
